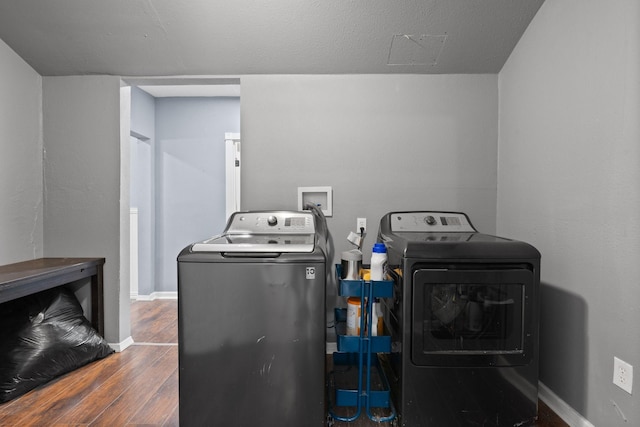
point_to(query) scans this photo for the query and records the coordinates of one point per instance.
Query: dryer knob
(430, 220)
(272, 220)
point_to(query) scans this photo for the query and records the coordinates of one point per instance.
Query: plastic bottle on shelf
(353, 316)
(379, 262)
(378, 272)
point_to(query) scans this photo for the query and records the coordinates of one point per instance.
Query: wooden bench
(29, 277)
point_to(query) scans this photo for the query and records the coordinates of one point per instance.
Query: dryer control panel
(431, 222)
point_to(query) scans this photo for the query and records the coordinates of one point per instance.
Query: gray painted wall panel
(21, 187)
(382, 142)
(81, 117)
(569, 183)
(142, 184)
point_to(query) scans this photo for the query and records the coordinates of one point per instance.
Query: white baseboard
(561, 408)
(157, 295)
(118, 347)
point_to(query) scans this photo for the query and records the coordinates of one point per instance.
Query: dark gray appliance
(463, 321)
(251, 323)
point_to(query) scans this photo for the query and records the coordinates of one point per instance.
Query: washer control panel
(271, 222)
(430, 222)
(263, 232)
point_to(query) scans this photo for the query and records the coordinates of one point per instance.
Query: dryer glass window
(471, 317)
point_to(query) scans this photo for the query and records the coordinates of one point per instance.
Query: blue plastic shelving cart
(360, 352)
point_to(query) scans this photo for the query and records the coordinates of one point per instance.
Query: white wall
(569, 183)
(21, 187)
(82, 214)
(383, 142)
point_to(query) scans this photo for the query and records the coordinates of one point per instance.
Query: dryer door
(472, 317)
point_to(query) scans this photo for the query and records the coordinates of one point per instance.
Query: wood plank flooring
(137, 387)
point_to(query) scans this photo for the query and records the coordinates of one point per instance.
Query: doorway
(179, 172)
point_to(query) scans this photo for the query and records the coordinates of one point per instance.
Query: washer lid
(259, 243)
(264, 232)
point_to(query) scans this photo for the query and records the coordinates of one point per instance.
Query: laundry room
(542, 149)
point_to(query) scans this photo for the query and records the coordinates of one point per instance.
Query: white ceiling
(239, 37)
(164, 91)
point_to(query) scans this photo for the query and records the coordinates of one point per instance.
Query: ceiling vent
(407, 49)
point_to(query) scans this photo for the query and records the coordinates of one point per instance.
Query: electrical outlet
(361, 223)
(622, 374)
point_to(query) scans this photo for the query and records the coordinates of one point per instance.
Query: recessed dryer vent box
(319, 196)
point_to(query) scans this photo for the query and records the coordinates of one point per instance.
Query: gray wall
(82, 215)
(383, 142)
(143, 184)
(569, 183)
(21, 186)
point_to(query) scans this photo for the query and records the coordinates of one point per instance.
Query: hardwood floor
(155, 321)
(138, 387)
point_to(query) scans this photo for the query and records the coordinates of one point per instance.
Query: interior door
(232, 172)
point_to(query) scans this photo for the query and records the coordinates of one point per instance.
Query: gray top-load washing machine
(251, 323)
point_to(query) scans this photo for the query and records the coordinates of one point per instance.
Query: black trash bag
(43, 336)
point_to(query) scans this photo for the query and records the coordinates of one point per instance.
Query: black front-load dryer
(463, 320)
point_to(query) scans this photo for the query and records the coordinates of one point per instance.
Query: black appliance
(463, 321)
